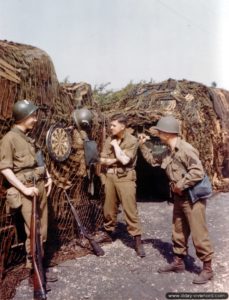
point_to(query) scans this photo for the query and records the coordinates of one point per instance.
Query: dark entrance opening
(152, 182)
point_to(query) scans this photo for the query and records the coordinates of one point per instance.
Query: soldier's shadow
(166, 250)
(123, 235)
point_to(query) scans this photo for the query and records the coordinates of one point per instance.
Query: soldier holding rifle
(19, 166)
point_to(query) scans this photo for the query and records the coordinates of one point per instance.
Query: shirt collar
(20, 132)
(178, 144)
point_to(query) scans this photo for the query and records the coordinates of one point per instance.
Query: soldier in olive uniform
(188, 218)
(19, 166)
(119, 157)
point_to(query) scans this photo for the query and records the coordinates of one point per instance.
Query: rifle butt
(96, 248)
(39, 295)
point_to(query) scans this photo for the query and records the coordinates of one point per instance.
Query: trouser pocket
(13, 198)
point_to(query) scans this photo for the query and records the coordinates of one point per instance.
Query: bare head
(118, 125)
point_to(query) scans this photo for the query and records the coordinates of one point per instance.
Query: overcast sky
(119, 41)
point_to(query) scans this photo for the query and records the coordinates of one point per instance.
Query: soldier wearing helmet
(183, 167)
(19, 166)
(23, 109)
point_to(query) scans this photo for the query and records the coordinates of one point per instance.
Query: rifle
(103, 138)
(95, 246)
(39, 285)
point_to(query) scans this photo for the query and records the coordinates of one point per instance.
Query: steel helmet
(82, 117)
(22, 109)
(168, 124)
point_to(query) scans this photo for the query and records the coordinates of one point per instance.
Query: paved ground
(121, 275)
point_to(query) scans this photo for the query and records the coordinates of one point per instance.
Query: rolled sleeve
(131, 151)
(6, 157)
(148, 156)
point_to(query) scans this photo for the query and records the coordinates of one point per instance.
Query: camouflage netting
(27, 72)
(203, 112)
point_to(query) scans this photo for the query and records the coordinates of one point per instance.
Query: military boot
(176, 266)
(205, 275)
(50, 276)
(139, 246)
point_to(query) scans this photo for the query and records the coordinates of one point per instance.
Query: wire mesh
(28, 73)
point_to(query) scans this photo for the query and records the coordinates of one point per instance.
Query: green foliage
(105, 96)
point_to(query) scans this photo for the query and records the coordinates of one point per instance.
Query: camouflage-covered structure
(203, 112)
(27, 72)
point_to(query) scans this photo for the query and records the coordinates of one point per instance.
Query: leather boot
(205, 275)
(139, 246)
(50, 276)
(47, 288)
(176, 266)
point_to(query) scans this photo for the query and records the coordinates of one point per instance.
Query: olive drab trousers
(42, 209)
(121, 190)
(189, 219)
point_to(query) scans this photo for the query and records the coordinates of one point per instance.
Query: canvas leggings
(121, 190)
(189, 219)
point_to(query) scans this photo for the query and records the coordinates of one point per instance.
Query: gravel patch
(121, 275)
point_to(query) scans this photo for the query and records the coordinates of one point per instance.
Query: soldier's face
(163, 136)
(166, 137)
(29, 122)
(116, 128)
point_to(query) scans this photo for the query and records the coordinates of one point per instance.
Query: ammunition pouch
(28, 177)
(13, 198)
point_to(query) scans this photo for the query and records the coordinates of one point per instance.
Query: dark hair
(121, 118)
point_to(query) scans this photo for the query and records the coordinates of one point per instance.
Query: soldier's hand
(107, 161)
(114, 142)
(142, 137)
(176, 190)
(31, 191)
(153, 131)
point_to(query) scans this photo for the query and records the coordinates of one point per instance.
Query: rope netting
(28, 73)
(199, 109)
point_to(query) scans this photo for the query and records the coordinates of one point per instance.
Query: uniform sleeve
(148, 156)
(195, 171)
(131, 151)
(6, 155)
